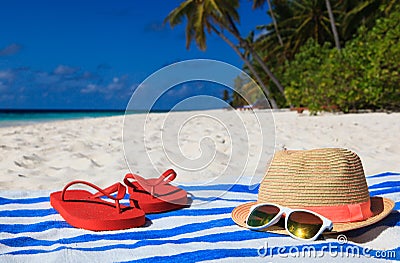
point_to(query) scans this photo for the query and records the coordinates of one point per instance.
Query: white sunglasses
(301, 224)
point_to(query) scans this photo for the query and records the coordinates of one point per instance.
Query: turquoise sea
(23, 117)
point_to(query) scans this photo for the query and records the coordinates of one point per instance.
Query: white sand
(201, 146)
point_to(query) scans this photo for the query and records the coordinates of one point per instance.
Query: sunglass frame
(326, 223)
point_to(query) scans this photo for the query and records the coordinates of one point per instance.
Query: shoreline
(27, 117)
(23, 117)
(47, 155)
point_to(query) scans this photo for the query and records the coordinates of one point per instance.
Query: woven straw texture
(321, 177)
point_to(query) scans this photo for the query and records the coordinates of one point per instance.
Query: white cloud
(87, 75)
(115, 86)
(6, 75)
(46, 78)
(65, 70)
(118, 83)
(10, 50)
(89, 89)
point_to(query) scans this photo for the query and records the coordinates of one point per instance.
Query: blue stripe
(383, 175)
(150, 234)
(203, 255)
(28, 213)
(38, 227)
(198, 198)
(110, 247)
(192, 212)
(144, 237)
(181, 212)
(397, 206)
(214, 254)
(385, 191)
(46, 225)
(210, 199)
(240, 235)
(385, 184)
(6, 201)
(239, 188)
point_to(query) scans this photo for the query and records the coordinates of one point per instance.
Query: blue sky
(91, 54)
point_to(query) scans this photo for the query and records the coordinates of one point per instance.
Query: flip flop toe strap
(149, 185)
(117, 187)
(168, 176)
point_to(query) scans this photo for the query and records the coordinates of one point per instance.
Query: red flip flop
(155, 195)
(85, 210)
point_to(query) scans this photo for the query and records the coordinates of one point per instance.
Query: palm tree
(362, 12)
(218, 16)
(324, 21)
(249, 47)
(260, 3)
(333, 26)
(298, 21)
(269, 44)
(249, 65)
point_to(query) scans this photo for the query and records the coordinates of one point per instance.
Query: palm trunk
(250, 66)
(275, 23)
(266, 69)
(234, 31)
(332, 20)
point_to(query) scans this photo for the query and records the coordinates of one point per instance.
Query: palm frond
(176, 16)
(258, 4)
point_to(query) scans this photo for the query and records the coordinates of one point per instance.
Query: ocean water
(24, 117)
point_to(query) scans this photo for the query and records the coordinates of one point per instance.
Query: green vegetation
(364, 75)
(321, 54)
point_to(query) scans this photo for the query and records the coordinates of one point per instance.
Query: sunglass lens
(303, 224)
(262, 215)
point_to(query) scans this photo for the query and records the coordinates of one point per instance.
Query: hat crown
(320, 177)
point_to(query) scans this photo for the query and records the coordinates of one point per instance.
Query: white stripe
(29, 220)
(39, 205)
(377, 180)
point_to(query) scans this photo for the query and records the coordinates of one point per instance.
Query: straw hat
(328, 181)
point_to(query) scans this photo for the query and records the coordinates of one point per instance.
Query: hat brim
(380, 207)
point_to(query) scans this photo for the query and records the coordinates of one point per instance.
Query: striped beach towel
(32, 231)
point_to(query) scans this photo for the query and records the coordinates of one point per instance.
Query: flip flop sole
(171, 198)
(81, 211)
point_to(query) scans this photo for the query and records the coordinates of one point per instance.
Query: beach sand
(204, 146)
